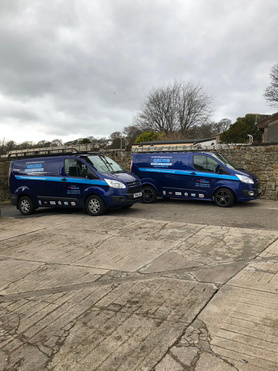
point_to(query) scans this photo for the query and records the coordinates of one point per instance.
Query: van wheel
(224, 197)
(149, 194)
(95, 206)
(26, 206)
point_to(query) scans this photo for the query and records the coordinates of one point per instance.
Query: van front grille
(135, 189)
(133, 184)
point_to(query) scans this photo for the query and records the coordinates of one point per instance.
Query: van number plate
(138, 194)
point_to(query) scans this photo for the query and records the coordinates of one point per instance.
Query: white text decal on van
(34, 167)
(161, 161)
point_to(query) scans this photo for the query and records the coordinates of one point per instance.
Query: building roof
(263, 124)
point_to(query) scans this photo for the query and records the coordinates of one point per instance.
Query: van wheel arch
(94, 205)
(224, 197)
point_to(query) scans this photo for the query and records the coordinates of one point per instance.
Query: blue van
(193, 175)
(90, 181)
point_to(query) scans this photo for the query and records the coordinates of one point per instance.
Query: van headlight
(114, 183)
(245, 179)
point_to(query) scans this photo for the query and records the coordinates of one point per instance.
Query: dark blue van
(193, 175)
(93, 182)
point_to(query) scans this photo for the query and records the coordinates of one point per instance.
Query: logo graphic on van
(202, 181)
(73, 190)
(161, 162)
(33, 167)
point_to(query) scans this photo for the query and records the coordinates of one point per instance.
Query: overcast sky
(79, 68)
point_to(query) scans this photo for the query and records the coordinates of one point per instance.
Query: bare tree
(221, 126)
(115, 134)
(131, 133)
(175, 108)
(194, 107)
(158, 111)
(271, 92)
(56, 142)
(25, 145)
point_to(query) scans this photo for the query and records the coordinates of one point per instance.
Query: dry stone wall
(4, 186)
(262, 160)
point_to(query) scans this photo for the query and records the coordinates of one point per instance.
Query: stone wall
(4, 186)
(262, 160)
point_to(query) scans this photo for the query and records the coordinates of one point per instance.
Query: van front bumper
(252, 193)
(130, 199)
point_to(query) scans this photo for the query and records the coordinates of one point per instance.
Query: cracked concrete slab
(243, 328)
(211, 246)
(112, 293)
(125, 253)
(31, 276)
(218, 273)
(11, 227)
(238, 329)
(132, 327)
(110, 327)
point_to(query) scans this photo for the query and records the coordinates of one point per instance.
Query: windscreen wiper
(107, 163)
(119, 171)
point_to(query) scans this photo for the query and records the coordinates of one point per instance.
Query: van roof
(172, 153)
(55, 152)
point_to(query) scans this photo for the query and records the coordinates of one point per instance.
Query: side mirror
(90, 176)
(218, 169)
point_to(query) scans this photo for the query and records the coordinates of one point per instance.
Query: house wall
(271, 132)
(262, 160)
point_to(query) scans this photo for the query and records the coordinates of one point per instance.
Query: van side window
(74, 167)
(205, 163)
(200, 163)
(212, 165)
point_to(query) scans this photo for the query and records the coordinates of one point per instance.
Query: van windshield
(224, 160)
(104, 164)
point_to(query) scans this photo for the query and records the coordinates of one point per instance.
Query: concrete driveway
(140, 289)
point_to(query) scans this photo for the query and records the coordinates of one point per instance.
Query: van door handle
(64, 179)
(193, 173)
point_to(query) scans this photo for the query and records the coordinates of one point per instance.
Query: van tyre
(95, 206)
(224, 197)
(26, 206)
(149, 195)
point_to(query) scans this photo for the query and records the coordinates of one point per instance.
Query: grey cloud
(85, 66)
